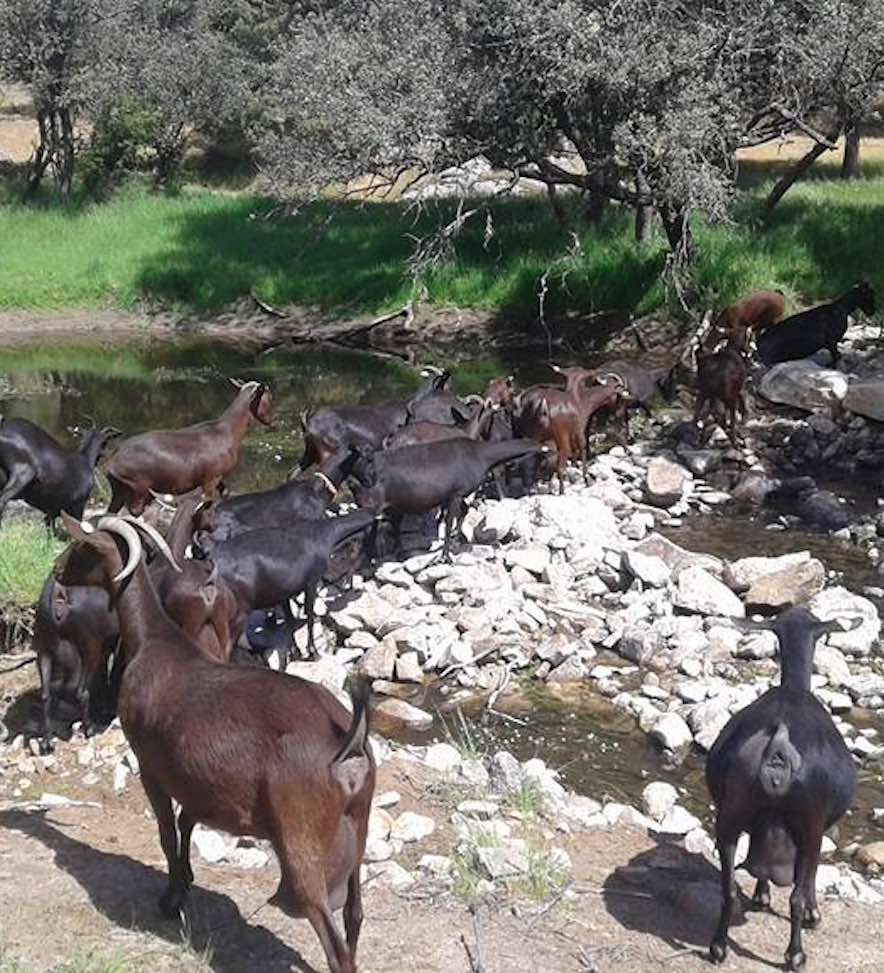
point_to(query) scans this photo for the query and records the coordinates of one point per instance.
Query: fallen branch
(462, 665)
(21, 662)
(267, 308)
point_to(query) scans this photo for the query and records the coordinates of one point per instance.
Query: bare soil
(81, 878)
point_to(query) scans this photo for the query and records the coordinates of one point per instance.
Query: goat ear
(835, 625)
(59, 600)
(78, 531)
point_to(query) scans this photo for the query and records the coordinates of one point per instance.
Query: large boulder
(790, 586)
(740, 574)
(804, 384)
(866, 399)
(583, 519)
(665, 482)
(842, 604)
(699, 592)
(674, 557)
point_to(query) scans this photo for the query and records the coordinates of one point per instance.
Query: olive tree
(45, 46)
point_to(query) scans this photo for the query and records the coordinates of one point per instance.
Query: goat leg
(451, 509)
(802, 902)
(185, 830)
(353, 912)
(18, 478)
(310, 614)
(45, 667)
(173, 899)
(727, 848)
(761, 895)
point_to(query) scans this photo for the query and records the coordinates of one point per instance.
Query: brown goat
(178, 460)
(755, 312)
(559, 417)
(721, 379)
(247, 750)
(76, 628)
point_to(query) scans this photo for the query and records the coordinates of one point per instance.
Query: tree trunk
(850, 161)
(642, 223)
(678, 233)
(556, 203)
(785, 182)
(597, 199)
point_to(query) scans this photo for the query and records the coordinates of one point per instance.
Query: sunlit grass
(200, 250)
(27, 551)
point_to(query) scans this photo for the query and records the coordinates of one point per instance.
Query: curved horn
(474, 399)
(155, 536)
(117, 525)
(555, 368)
(236, 382)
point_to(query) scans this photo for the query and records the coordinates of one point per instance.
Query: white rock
(213, 846)
(410, 827)
(387, 799)
(652, 571)
(583, 519)
(442, 757)
(438, 866)
(866, 399)
(698, 591)
(405, 713)
(708, 719)
(665, 482)
(506, 773)
(740, 574)
(830, 662)
(535, 560)
(804, 384)
(672, 732)
(842, 604)
(388, 873)
(658, 798)
(679, 821)
(758, 645)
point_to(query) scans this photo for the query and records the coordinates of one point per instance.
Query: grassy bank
(200, 250)
(27, 552)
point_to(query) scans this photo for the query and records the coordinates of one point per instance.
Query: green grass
(27, 552)
(200, 250)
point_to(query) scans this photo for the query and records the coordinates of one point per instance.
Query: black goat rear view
(781, 772)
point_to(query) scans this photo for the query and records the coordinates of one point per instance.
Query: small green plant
(545, 875)
(27, 551)
(528, 800)
(462, 738)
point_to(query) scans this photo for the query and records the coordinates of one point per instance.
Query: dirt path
(81, 878)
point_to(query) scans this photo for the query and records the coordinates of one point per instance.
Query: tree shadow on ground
(126, 892)
(674, 895)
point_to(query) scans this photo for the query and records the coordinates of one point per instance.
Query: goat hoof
(718, 952)
(812, 918)
(172, 902)
(760, 903)
(795, 961)
(45, 747)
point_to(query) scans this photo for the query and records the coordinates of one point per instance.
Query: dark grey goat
(823, 326)
(780, 771)
(36, 468)
(269, 566)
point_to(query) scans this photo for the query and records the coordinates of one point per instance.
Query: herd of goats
(252, 751)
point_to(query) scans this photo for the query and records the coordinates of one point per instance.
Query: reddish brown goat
(721, 379)
(178, 460)
(558, 417)
(246, 750)
(476, 427)
(755, 312)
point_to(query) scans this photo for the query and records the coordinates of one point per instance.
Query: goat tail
(353, 765)
(780, 764)
(357, 735)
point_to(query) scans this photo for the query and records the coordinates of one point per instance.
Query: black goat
(804, 334)
(306, 497)
(331, 430)
(780, 771)
(267, 567)
(641, 384)
(418, 479)
(439, 405)
(36, 468)
(425, 431)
